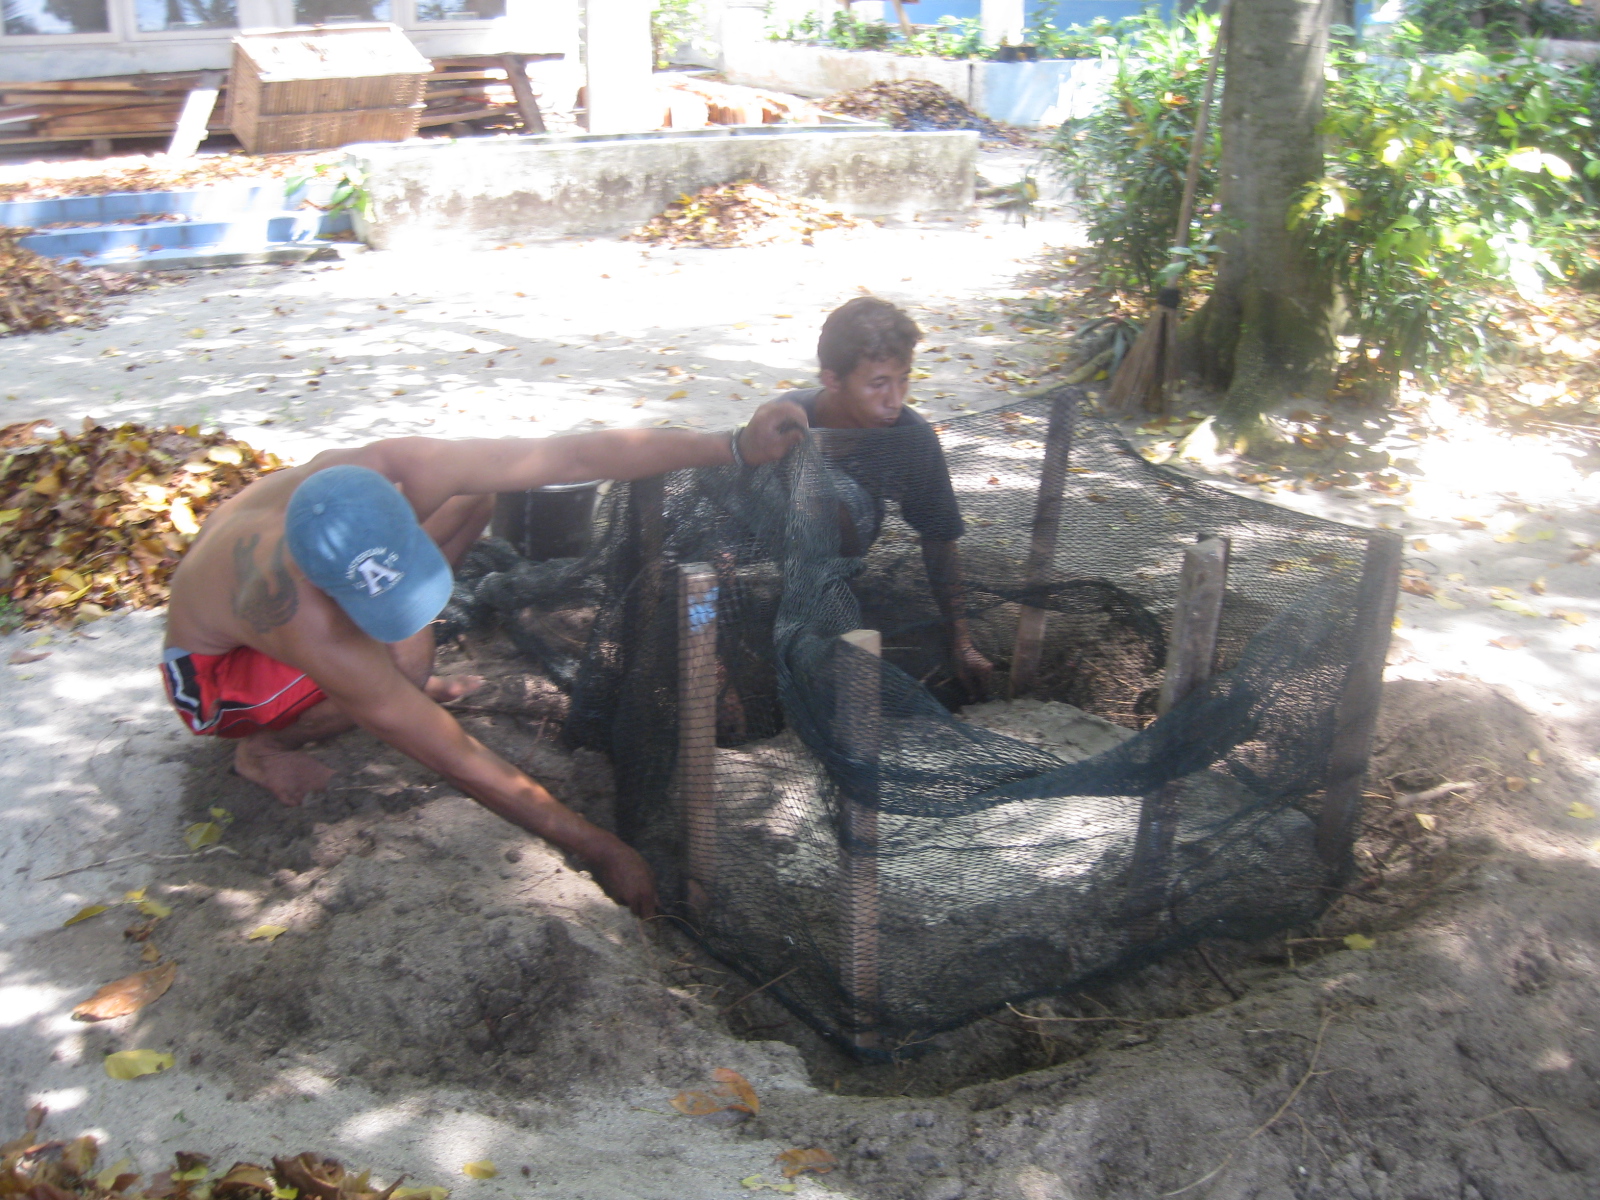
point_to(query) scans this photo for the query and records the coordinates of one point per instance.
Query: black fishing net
(823, 821)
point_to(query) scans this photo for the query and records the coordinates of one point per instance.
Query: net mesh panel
(896, 870)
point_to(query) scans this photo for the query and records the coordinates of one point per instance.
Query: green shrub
(671, 24)
(1449, 26)
(950, 38)
(1126, 162)
(1077, 41)
(1446, 179)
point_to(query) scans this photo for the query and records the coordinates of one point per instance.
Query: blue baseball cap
(356, 538)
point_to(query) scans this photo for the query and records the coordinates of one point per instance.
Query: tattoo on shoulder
(266, 599)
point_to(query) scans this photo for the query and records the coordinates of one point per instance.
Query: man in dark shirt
(865, 351)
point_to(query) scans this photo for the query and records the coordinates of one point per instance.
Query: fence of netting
(778, 714)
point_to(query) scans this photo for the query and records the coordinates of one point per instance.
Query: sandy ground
(448, 991)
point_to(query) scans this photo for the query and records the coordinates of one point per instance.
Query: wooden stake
(858, 725)
(1363, 691)
(517, 73)
(1029, 642)
(1193, 643)
(196, 115)
(905, 23)
(1191, 653)
(697, 719)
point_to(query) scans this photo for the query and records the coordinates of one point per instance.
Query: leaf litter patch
(738, 214)
(96, 521)
(39, 294)
(38, 1168)
(917, 104)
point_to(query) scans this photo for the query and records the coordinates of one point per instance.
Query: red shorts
(236, 694)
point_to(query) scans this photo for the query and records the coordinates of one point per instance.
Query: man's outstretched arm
(430, 471)
(360, 677)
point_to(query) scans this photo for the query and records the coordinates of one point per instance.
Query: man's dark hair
(865, 328)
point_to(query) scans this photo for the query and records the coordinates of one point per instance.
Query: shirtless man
(305, 606)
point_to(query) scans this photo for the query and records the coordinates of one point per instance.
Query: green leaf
(83, 914)
(130, 1064)
(202, 833)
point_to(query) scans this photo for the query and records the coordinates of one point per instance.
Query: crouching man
(305, 605)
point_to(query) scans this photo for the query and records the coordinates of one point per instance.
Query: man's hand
(973, 670)
(626, 878)
(774, 430)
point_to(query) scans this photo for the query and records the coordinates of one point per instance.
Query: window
(56, 16)
(459, 10)
(334, 12)
(170, 16)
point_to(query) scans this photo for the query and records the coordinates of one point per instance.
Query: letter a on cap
(377, 577)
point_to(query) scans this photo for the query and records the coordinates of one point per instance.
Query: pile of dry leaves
(39, 293)
(738, 214)
(96, 521)
(916, 104)
(38, 1169)
(98, 176)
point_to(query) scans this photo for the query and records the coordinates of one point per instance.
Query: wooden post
(1041, 555)
(1363, 690)
(517, 74)
(1193, 643)
(1191, 653)
(196, 115)
(697, 720)
(858, 725)
(905, 22)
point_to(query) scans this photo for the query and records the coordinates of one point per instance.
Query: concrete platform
(485, 192)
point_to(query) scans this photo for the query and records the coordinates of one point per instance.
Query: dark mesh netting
(825, 823)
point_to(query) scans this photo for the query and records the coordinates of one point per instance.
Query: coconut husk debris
(738, 214)
(96, 521)
(916, 104)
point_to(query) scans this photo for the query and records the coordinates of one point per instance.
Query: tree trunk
(1264, 333)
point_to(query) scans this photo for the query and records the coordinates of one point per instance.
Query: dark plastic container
(548, 522)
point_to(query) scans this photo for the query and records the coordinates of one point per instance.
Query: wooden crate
(313, 89)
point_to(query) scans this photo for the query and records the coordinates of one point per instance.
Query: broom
(1148, 375)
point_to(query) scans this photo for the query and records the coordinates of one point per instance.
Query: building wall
(121, 37)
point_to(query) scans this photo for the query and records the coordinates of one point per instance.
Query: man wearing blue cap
(304, 608)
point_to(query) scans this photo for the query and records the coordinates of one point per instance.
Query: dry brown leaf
(1509, 642)
(127, 995)
(741, 1089)
(23, 657)
(697, 1104)
(244, 1181)
(1515, 783)
(809, 1159)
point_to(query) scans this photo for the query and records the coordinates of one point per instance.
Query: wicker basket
(313, 89)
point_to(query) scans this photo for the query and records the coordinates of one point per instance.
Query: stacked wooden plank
(461, 89)
(119, 106)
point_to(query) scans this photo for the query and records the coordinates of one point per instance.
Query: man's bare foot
(290, 775)
(444, 688)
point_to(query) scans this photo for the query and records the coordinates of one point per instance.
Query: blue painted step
(224, 220)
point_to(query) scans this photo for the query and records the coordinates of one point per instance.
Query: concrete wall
(479, 193)
(1031, 95)
(821, 71)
